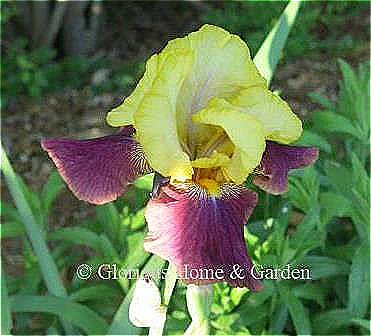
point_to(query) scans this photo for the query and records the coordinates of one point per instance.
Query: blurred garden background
(65, 64)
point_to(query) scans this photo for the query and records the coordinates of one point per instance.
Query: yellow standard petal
(124, 114)
(155, 119)
(245, 131)
(215, 160)
(222, 65)
(279, 122)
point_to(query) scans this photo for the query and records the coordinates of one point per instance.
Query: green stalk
(120, 324)
(35, 234)
(170, 281)
(199, 299)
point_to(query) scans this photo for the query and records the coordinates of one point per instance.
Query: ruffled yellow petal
(222, 65)
(155, 118)
(240, 167)
(215, 160)
(279, 122)
(245, 131)
(124, 113)
(209, 75)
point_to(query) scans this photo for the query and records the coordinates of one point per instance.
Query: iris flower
(203, 119)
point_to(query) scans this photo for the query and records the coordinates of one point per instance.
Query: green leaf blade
(37, 237)
(79, 315)
(269, 53)
(359, 282)
(298, 313)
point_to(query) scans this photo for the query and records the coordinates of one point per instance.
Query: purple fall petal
(97, 170)
(199, 232)
(272, 173)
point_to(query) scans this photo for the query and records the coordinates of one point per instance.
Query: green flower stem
(170, 281)
(35, 234)
(171, 278)
(199, 299)
(121, 324)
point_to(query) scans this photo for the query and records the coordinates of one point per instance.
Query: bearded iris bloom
(204, 120)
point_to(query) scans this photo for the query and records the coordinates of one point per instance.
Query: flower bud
(145, 309)
(199, 299)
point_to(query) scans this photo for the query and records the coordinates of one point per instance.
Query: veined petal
(98, 170)
(124, 114)
(279, 122)
(202, 234)
(272, 173)
(245, 131)
(222, 65)
(155, 119)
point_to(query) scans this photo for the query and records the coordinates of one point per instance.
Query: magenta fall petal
(272, 173)
(98, 170)
(196, 232)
